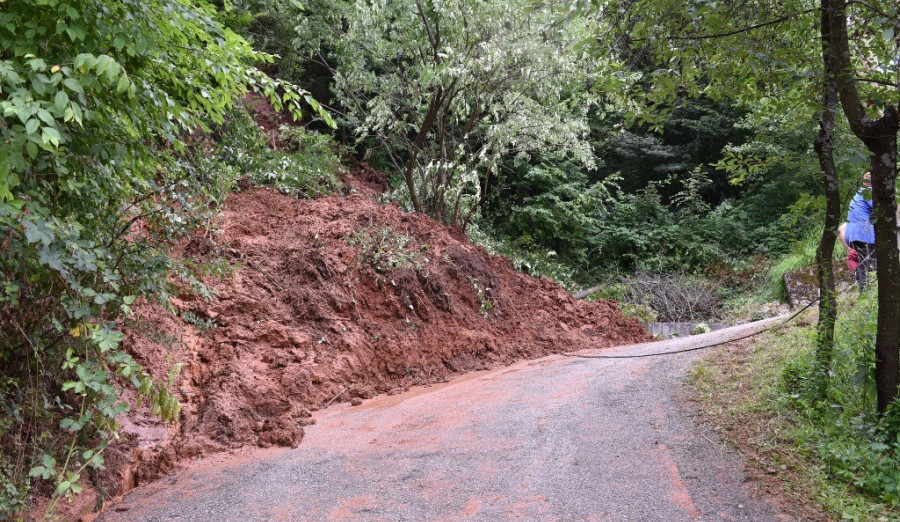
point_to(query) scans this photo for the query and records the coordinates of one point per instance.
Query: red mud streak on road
(347, 510)
(678, 494)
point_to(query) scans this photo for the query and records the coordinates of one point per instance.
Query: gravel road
(558, 438)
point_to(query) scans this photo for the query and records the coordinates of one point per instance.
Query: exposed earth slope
(330, 300)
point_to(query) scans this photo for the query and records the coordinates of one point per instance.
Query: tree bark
(880, 137)
(824, 146)
(424, 129)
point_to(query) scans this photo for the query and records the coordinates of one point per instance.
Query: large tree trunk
(887, 341)
(880, 137)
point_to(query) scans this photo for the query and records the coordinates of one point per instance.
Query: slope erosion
(335, 299)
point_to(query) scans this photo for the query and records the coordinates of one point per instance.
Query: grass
(814, 461)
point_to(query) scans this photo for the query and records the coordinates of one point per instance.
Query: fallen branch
(584, 293)
(327, 404)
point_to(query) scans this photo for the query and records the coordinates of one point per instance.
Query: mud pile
(337, 299)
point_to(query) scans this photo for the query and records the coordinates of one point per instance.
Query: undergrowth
(305, 167)
(832, 448)
(534, 262)
(72, 266)
(386, 250)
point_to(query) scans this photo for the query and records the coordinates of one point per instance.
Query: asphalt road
(557, 438)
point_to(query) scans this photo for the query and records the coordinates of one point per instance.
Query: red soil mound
(307, 318)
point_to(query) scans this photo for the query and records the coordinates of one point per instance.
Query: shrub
(674, 297)
(386, 250)
(857, 447)
(104, 106)
(307, 168)
(550, 207)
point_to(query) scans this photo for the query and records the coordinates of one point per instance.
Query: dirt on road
(557, 438)
(337, 299)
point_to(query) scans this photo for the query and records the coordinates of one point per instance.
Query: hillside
(334, 299)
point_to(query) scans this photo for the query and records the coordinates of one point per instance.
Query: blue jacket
(859, 220)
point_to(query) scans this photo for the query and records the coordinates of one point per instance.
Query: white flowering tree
(452, 88)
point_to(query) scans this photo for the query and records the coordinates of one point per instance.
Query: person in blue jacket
(858, 233)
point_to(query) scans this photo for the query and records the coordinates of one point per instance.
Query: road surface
(557, 438)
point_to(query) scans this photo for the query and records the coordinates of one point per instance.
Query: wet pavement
(557, 438)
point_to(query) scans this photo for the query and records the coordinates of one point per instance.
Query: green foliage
(303, 37)
(305, 167)
(643, 231)
(453, 89)
(13, 491)
(669, 51)
(856, 447)
(690, 140)
(639, 231)
(682, 222)
(550, 207)
(555, 209)
(534, 262)
(386, 250)
(668, 210)
(101, 104)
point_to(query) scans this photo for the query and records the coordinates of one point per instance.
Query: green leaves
(61, 100)
(45, 470)
(38, 231)
(50, 135)
(502, 82)
(32, 126)
(95, 99)
(123, 84)
(73, 85)
(107, 339)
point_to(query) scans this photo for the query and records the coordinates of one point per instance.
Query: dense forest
(682, 156)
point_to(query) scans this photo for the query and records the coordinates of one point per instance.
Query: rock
(802, 285)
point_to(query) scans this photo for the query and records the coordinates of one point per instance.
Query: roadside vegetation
(682, 156)
(106, 163)
(833, 450)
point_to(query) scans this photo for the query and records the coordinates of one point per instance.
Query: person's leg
(867, 262)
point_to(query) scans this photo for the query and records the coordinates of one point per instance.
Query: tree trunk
(824, 146)
(427, 124)
(880, 137)
(887, 340)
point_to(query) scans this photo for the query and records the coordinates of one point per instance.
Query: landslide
(334, 299)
